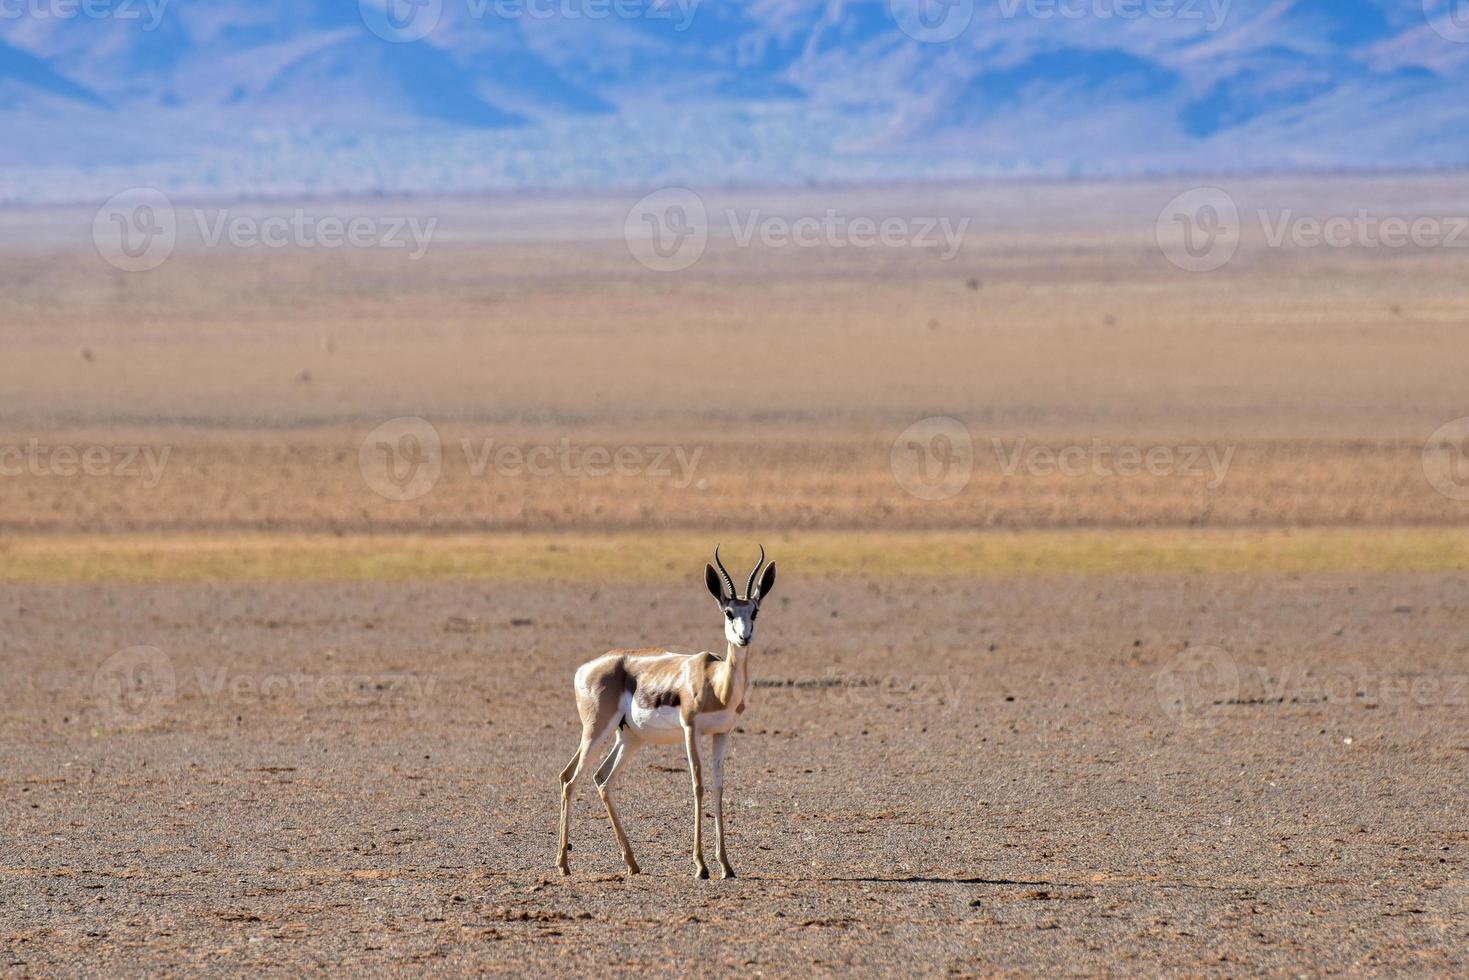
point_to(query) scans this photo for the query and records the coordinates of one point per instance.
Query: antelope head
(739, 611)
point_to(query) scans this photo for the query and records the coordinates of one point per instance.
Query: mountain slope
(272, 93)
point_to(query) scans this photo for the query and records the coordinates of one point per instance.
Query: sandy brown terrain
(686, 477)
(934, 777)
(784, 377)
(272, 704)
(1059, 314)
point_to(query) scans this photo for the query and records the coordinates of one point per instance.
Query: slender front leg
(691, 744)
(721, 747)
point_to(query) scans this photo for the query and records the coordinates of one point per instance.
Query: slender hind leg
(622, 751)
(589, 743)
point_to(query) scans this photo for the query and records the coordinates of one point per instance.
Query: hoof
(727, 873)
(633, 869)
(702, 873)
(563, 869)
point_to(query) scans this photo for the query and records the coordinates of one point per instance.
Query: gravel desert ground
(1204, 775)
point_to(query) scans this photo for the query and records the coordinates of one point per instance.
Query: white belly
(651, 724)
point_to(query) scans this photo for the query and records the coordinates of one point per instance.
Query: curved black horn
(728, 582)
(750, 585)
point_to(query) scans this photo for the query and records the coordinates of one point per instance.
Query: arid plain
(1121, 621)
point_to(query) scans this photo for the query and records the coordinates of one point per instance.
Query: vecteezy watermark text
(1210, 13)
(939, 21)
(834, 230)
(406, 21)
(864, 691)
(302, 229)
(678, 13)
(138, 229)
(138, 686)
(221, 684)
(37, 459)
(147, 13)
(403, 458)
(573, 459)
(668, 230)
(1200, 684)
(1200, 230)
(934, 459)
(1103, 459)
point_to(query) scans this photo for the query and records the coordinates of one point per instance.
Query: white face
(739, 622)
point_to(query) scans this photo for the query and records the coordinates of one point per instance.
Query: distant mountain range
(272, 97)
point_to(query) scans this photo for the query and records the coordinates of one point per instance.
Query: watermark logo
(668, 230)
(134, 687)
(401, 21)
(1448, 18)
(1199, 230)
(1446, 459)
(136, 230)
(933, 459)
(402, 458)
(932, 21)
(1196, 684)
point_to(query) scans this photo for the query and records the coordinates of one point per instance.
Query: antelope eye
(754, 615)
(729, 614)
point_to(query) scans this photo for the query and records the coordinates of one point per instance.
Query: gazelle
(657, 696)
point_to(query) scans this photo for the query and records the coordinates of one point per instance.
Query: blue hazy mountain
(247, 96)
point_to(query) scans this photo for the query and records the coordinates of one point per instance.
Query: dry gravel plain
(259, 715)
(1054, 775)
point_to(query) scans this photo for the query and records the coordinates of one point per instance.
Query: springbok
(657, 696)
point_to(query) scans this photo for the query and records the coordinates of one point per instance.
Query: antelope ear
(713, 584)
(767, 581)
